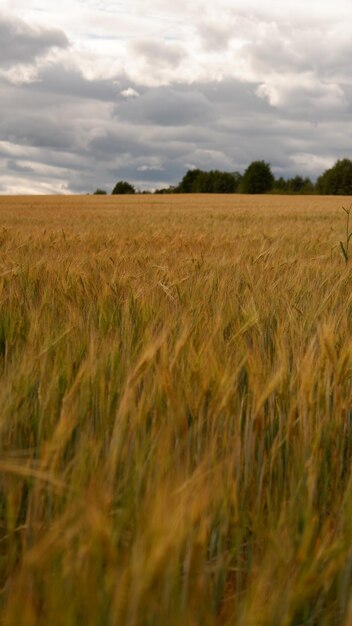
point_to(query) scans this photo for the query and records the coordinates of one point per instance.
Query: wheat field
(175, 411)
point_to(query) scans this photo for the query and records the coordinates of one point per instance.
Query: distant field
(175, 411)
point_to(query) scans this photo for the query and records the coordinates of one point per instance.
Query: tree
(258, 178)
(203, 183)
(215, 181)
(238, 180)
(281, 185)
(166, 190)
(297, 184)
(337, 180)
(223, 182)
(122, 187)
(188, 181)
(99, 192)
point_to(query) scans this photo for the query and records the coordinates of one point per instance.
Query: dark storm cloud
(22, 44)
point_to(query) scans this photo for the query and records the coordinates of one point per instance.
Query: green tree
(203, 183)
(281, 185)
(298, 184)
(223, 182)
(215, 181)
(238, 180)
(337, 180)
(258, 178)
(166, 190)
(99, 192)
(122, 187)
(187, 183)
(295, 184)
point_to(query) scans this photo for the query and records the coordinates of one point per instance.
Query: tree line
(257, 178)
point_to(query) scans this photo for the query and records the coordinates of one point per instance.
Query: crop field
(175, 411)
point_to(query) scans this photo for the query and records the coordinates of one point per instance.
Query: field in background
(175, 412)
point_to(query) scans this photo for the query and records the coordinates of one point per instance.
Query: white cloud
(130, 93)
(157, 42)
(150, 168)
(21, 74)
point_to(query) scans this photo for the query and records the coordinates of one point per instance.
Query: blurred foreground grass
(175, 412)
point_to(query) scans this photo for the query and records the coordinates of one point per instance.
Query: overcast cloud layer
(94, 91)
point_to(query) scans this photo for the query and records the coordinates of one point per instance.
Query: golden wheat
(176, 412)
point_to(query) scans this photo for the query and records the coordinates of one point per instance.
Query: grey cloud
(14, 166)
(89, 136)
(22, 44)
(121, 141)
(30, 130)
(70, 82)
(299, 53)
(273, 51)
(166, 106)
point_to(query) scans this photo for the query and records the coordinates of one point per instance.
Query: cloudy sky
(95, 91)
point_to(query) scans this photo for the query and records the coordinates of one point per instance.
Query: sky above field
(95, 91)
